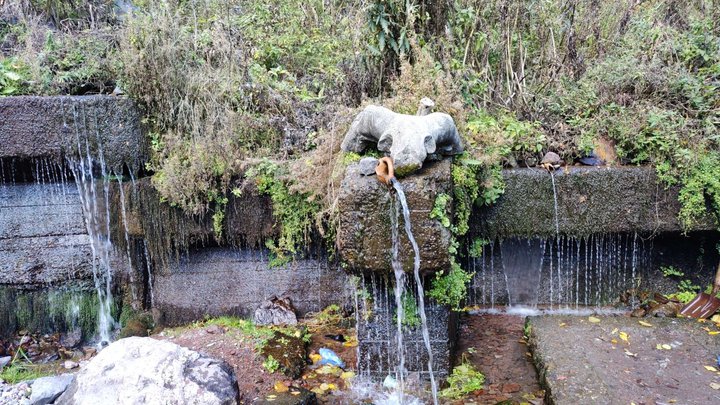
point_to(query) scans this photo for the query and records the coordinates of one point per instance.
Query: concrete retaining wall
(589, 200)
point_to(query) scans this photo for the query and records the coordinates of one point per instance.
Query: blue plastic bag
(329, 357)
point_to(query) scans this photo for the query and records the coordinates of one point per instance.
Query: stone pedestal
(365, 206)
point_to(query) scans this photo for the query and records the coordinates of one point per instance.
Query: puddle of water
(536, 311)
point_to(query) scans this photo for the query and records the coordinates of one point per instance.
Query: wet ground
(494, 344)
(623, 360)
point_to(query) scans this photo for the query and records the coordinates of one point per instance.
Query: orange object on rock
(385, 171)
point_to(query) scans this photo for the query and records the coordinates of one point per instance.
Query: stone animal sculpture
(409, 139)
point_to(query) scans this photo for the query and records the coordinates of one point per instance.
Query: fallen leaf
(592, 319)
(624, 336)
(713, 333)
(647, 324)
(347, 375)
(281, 387)
(613, 341)
(614, 331)
(715, 318)
(562, 324)
(315, 357)
(715, 386)
(666, 347)
(628, 353)
(710, 368)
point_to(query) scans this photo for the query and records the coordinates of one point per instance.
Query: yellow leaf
(315, 357)
(643, 323)
(592, 319)
(714, 333)
(614, 331)
(281, 387)
(271, 397)
(562, 324)
(715, 318)
(710, 368)
(613, 341)
(658, 346)
(624, 336)
(666, 347)
(347, 375)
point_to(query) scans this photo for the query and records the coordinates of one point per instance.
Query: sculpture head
(408, 152)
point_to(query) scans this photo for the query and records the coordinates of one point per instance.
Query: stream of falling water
(557, 221)
(96, 211)
(418, 281)
(399, 291)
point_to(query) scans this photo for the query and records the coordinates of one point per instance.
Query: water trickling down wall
(54, 210)
(584, 240)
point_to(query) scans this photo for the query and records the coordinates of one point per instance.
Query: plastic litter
(329, 357)
(390, 382)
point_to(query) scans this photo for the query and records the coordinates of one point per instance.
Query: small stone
(69, 365)
(367, 166)
(667, 310)
(638, 313)
(4, 361)
(45, 390)
(276, 311)
(215, 330)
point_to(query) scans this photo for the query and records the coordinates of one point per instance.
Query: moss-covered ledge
(33, 127)
(589, 200)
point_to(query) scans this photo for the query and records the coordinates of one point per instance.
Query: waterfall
(565, 271)
(418, 281)
(96, 212)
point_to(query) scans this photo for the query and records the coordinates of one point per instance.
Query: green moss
(411, 317)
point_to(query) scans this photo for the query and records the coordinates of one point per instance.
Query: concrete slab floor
(618, 360)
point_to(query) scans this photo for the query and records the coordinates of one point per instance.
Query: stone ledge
(34, 127)
(590, 200)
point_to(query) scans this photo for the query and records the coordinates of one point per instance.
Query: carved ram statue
(409, 139)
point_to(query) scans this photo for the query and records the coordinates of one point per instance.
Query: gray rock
(276, 311)
(4, 361)
(367, 165)
(408, 138)
(142, 370)
(45, 390)
(69, 365)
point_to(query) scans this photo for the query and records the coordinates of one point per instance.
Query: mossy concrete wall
(226, 281)
(33, 127)
(589, 200)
